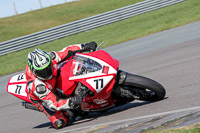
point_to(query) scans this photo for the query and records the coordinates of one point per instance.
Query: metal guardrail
(82, 25)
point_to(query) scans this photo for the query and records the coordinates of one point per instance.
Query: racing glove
(89, 46)
(75, 101)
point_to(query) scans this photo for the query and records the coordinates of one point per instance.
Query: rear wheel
(144, 88)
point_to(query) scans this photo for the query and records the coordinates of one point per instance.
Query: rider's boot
(59, 119)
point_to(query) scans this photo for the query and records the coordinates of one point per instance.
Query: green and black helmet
(40, 64)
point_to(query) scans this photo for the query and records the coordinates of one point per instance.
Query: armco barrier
(82, 25)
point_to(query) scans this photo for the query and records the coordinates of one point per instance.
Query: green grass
(137, 26)
(187, 129)
(38, 20)
(194, 130)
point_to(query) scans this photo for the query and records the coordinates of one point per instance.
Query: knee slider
(59, 124)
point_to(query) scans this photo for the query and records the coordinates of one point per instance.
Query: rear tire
(146, 89)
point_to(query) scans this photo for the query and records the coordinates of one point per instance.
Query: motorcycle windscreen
(17, 86)
(85, 67)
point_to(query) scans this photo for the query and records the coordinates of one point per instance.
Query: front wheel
(144, 88)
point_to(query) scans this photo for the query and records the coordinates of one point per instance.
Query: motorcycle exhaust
(30, 106)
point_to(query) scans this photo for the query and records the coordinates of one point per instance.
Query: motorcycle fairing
(98, 76)
(17, 86)
(100, 82)
(79, 63)
(96, 72)
(64, 85)
(100, 100)
(106, 57)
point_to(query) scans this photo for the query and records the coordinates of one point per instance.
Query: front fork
(118, 89)
(121, 77)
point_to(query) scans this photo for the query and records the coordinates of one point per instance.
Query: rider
(41, 74)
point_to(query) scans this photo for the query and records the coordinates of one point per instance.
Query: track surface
(170, 57)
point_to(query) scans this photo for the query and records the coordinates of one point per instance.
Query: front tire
(144, 88)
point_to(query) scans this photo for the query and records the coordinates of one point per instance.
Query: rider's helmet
(40, 64)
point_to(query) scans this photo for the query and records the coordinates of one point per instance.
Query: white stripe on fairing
(136, 118)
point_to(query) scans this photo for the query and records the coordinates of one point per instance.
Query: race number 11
(97, 83)
(18, 89)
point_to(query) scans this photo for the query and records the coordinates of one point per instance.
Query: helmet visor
(45, 73)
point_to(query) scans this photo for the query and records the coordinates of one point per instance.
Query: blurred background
(14, 7)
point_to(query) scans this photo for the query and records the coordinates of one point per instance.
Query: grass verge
(187, 129)
(45, 18)
(137, 26)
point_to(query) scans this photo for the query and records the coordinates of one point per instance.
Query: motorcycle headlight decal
(105, 69)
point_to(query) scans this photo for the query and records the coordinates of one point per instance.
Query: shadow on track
(48, 124)
(94, 115)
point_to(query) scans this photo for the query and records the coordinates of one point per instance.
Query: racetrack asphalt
(170, 57)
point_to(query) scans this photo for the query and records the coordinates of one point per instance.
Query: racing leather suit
(42, 92)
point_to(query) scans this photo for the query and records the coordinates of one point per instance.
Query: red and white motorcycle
(97, 75)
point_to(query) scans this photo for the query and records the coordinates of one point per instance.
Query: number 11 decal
(97, 83)
(18, 89)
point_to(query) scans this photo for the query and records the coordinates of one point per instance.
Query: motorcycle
(99, 79)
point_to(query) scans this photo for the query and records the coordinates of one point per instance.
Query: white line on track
(131, 119)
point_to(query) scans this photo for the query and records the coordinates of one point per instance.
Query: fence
(82, 25)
